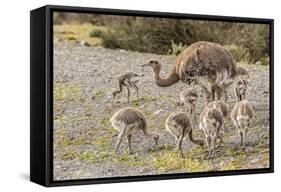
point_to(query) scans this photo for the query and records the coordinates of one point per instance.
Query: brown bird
(210, 64)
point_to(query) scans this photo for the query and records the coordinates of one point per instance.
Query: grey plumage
(242, 117)
(128, 120)
(179, 124)
(240, 88)
(219, 105)
(211, 122)
(189, 96)
(128, 80)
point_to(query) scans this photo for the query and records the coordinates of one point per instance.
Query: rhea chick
(128, 80)
(128, 120)
(179, 124)
(242, 116)
(211, 122)
(219, 105)
(240, 88)
(189, 96)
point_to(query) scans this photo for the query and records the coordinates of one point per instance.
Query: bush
(265, 60)
(239, 53)
(247, 42)
(176, 48)
(95, 33)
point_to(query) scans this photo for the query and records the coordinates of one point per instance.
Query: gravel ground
(84, 78)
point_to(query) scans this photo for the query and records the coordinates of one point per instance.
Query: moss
(74, 141)
(130, 159)
(62, 138)
(98, 93)
(102, 141)
(66, 92)
(58, 116)
(169, 161)
(148, 98)
(169, 98)
(159, 148)
(94, 157)
(69, 155)
(134, 103)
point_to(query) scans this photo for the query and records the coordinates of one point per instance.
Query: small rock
(258, 63)
(145, 170)
(85, 43)
(142, 106)
(159, 112)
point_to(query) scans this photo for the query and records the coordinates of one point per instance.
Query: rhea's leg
(213, 145)
(213, 90)
(128, 97)
(192, 109)
(220, 93)
(119, 140)
(225, 93)
(129, 137)
(207, 94)
(208, 141)
(179, 143)
(244, 139)
(220, 140)
(136, 89)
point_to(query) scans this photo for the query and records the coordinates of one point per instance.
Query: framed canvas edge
(49, 88)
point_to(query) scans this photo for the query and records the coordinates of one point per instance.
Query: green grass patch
(58, 116)
(98, 93)
(66, 92)
(130, 159)
(135, 103)
(94, 157)
(69, 155)
(169, 161)
(169, 98)
(148, 98)
(63, 138)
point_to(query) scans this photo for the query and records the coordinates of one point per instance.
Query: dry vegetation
(247, 42)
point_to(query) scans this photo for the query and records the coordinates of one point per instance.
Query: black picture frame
(41, 81)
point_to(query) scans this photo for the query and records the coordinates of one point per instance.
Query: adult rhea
(208, 64)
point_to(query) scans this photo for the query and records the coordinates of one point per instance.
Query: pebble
(85, 43)
(159, 112)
